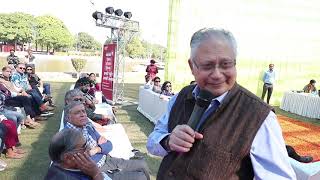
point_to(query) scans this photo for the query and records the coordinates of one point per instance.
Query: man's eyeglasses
(156, 81)
(222, 66)
(22, 68)
(78, 99)
(83, 148)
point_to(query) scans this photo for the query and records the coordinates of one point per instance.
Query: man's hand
(94, 150)
(182, 138)
(102, 140)
(87, 165)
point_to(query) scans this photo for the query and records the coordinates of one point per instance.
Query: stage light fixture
(118, 12)
(109, 10)
(127, 15)
(97, 15)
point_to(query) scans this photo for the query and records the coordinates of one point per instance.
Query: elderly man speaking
(237, 137)
(99, 147)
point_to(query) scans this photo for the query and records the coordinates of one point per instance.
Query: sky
(77, 15)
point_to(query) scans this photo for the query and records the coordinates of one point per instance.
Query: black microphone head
(204, 98)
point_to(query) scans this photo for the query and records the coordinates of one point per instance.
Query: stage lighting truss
(122, 31)
(116, 22)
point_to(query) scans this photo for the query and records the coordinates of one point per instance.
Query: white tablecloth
(150, 104)
(303, 104)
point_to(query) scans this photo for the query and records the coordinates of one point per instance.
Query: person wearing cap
(12, 59)
(152, 69)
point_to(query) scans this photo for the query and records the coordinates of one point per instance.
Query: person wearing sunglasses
(237, 136)
(156, 85)
(68, 151)
(166, 89)
(37, 84)
(20, 80)
(98, 147)
(12, 59)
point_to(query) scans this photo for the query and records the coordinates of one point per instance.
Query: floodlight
(127, 15)
(109, 10)
(97, 15)
(118, 12)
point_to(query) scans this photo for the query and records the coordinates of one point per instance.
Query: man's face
(21, 68)
(7, 73)
(214, 67)
(68, 158)
(78, 116)
(11, 52)
(271, 67)
(85, 88)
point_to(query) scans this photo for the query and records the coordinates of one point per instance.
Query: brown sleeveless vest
(228, 133)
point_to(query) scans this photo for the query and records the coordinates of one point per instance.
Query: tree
(86, 41)
(52, 33)
(17, 27)
(135, 48)
(78, 64)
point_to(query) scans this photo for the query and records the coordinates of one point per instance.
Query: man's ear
(191, 65)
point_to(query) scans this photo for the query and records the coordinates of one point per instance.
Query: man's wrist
(165, 143)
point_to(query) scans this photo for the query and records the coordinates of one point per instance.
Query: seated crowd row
(20, 87)
(155, 85)
(79, 151)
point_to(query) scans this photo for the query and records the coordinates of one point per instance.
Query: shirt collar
(220, 98)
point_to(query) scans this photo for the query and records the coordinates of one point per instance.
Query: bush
(78, 64)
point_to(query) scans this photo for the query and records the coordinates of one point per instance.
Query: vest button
(170, 173)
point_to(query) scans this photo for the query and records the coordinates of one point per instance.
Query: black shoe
(305, 159)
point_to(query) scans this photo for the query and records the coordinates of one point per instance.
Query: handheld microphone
(202, 103)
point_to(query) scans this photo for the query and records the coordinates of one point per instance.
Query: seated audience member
(20, 80)
(156, 85)
(15, 116)
(3, 131)
(37, 84)
(78, 95)
(149, 83)
(99, 147)
(68, 151)
(16, 97)
(94, 86)
(310, 88)
(166, 89)
(11, 139)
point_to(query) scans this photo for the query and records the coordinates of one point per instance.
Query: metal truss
(122, 31)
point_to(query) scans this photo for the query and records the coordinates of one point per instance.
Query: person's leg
(35, 97)
(270, 89)
(127, 175)
(113, 163)
(46, 89)
(264, 90)
(15, 116)
(22, 101)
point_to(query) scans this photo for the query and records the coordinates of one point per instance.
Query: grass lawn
(36, 162)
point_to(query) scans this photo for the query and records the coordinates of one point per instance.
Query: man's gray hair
(72, 93)
(63, 142)
(213, 33)
(68, 108)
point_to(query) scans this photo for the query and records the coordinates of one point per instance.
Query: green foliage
(52, 33)
(78, 64)
(86, 41)
(135, 48)
(17, 27)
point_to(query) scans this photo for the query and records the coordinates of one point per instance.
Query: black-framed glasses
(168, 85)
(222, 66)
(78, 99)
(156, 81)
(29, 69)
(22, 68)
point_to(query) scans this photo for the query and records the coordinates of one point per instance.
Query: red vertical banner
(108, 57)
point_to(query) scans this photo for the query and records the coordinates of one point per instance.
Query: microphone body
(202, 103)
